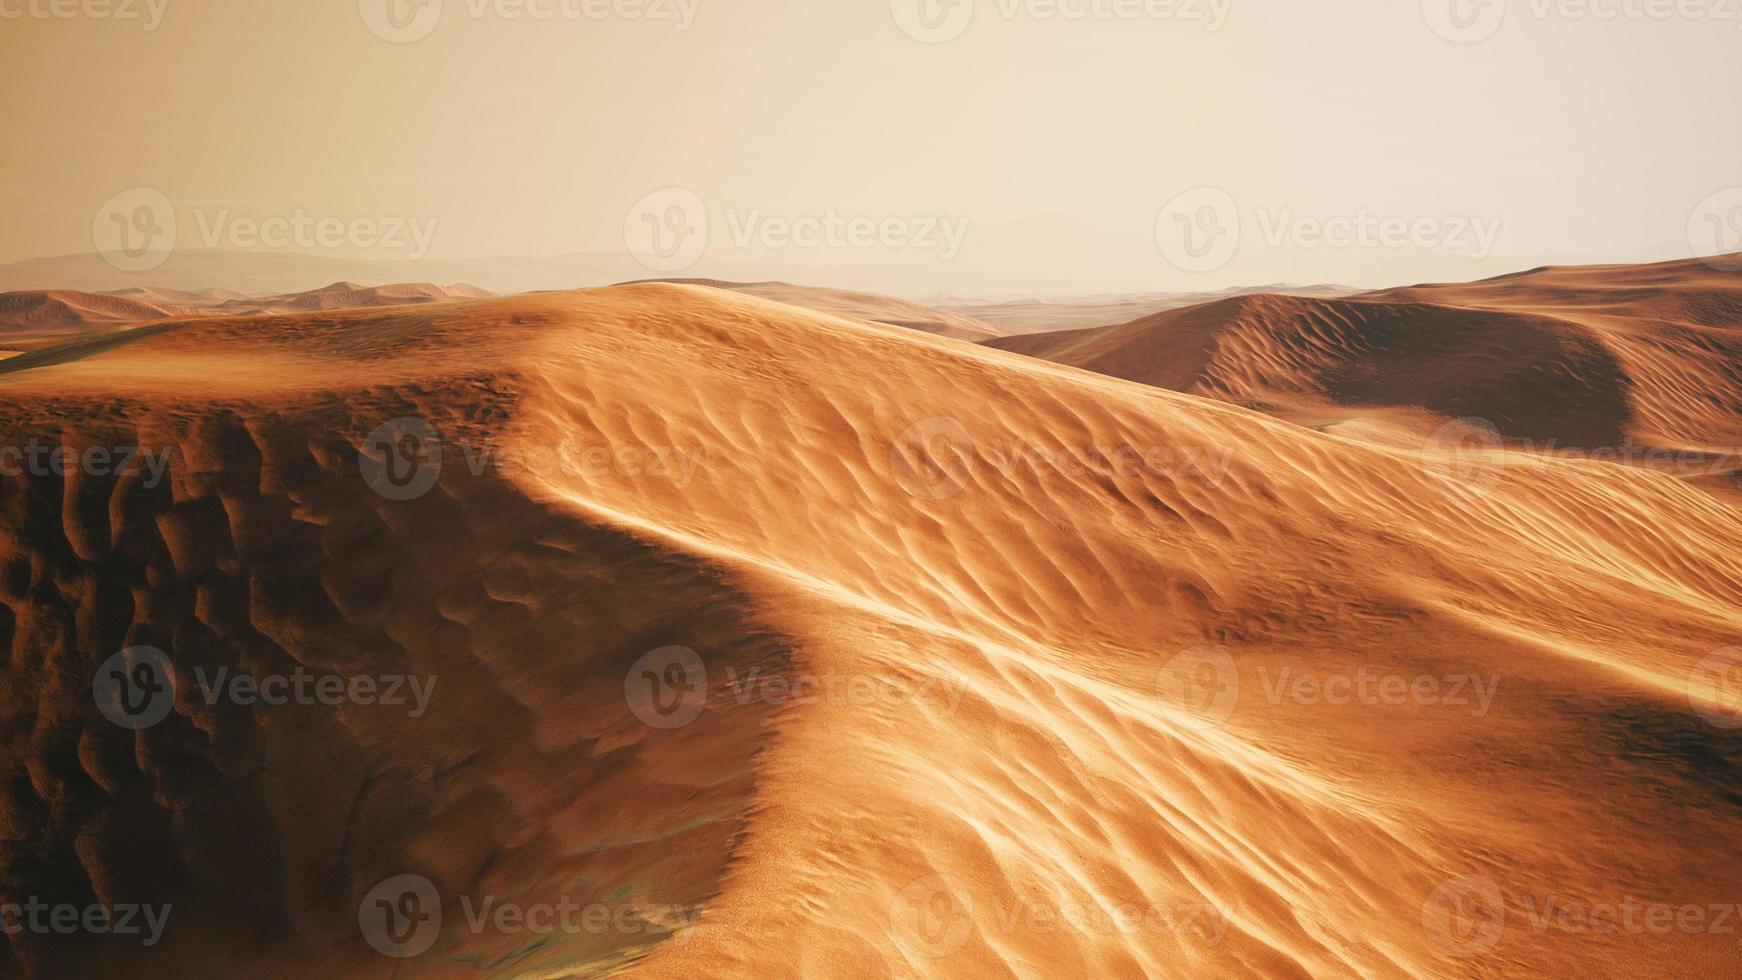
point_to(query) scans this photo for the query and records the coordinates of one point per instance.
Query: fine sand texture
(1058, 653)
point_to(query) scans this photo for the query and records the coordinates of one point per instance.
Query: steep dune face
(873, 307)
(1561, 358)
(989, 667)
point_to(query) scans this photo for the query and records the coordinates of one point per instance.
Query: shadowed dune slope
(1013, 563)
(1564, 358)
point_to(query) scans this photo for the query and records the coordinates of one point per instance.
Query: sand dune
(860, 306)
(38, 318)
(1572, 358)
(1041, 619)
(35, 318)
(1026, 316)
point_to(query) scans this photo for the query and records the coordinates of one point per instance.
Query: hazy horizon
(1002, 148)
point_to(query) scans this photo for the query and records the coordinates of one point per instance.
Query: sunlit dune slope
(1559, 358)
(1056, 621)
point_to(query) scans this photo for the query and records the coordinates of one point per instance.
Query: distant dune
(35, 318)
(1576, 357)
(861, 306)
(1044, 316)
(986, 667)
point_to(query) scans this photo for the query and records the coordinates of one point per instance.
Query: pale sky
(1023, 151)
